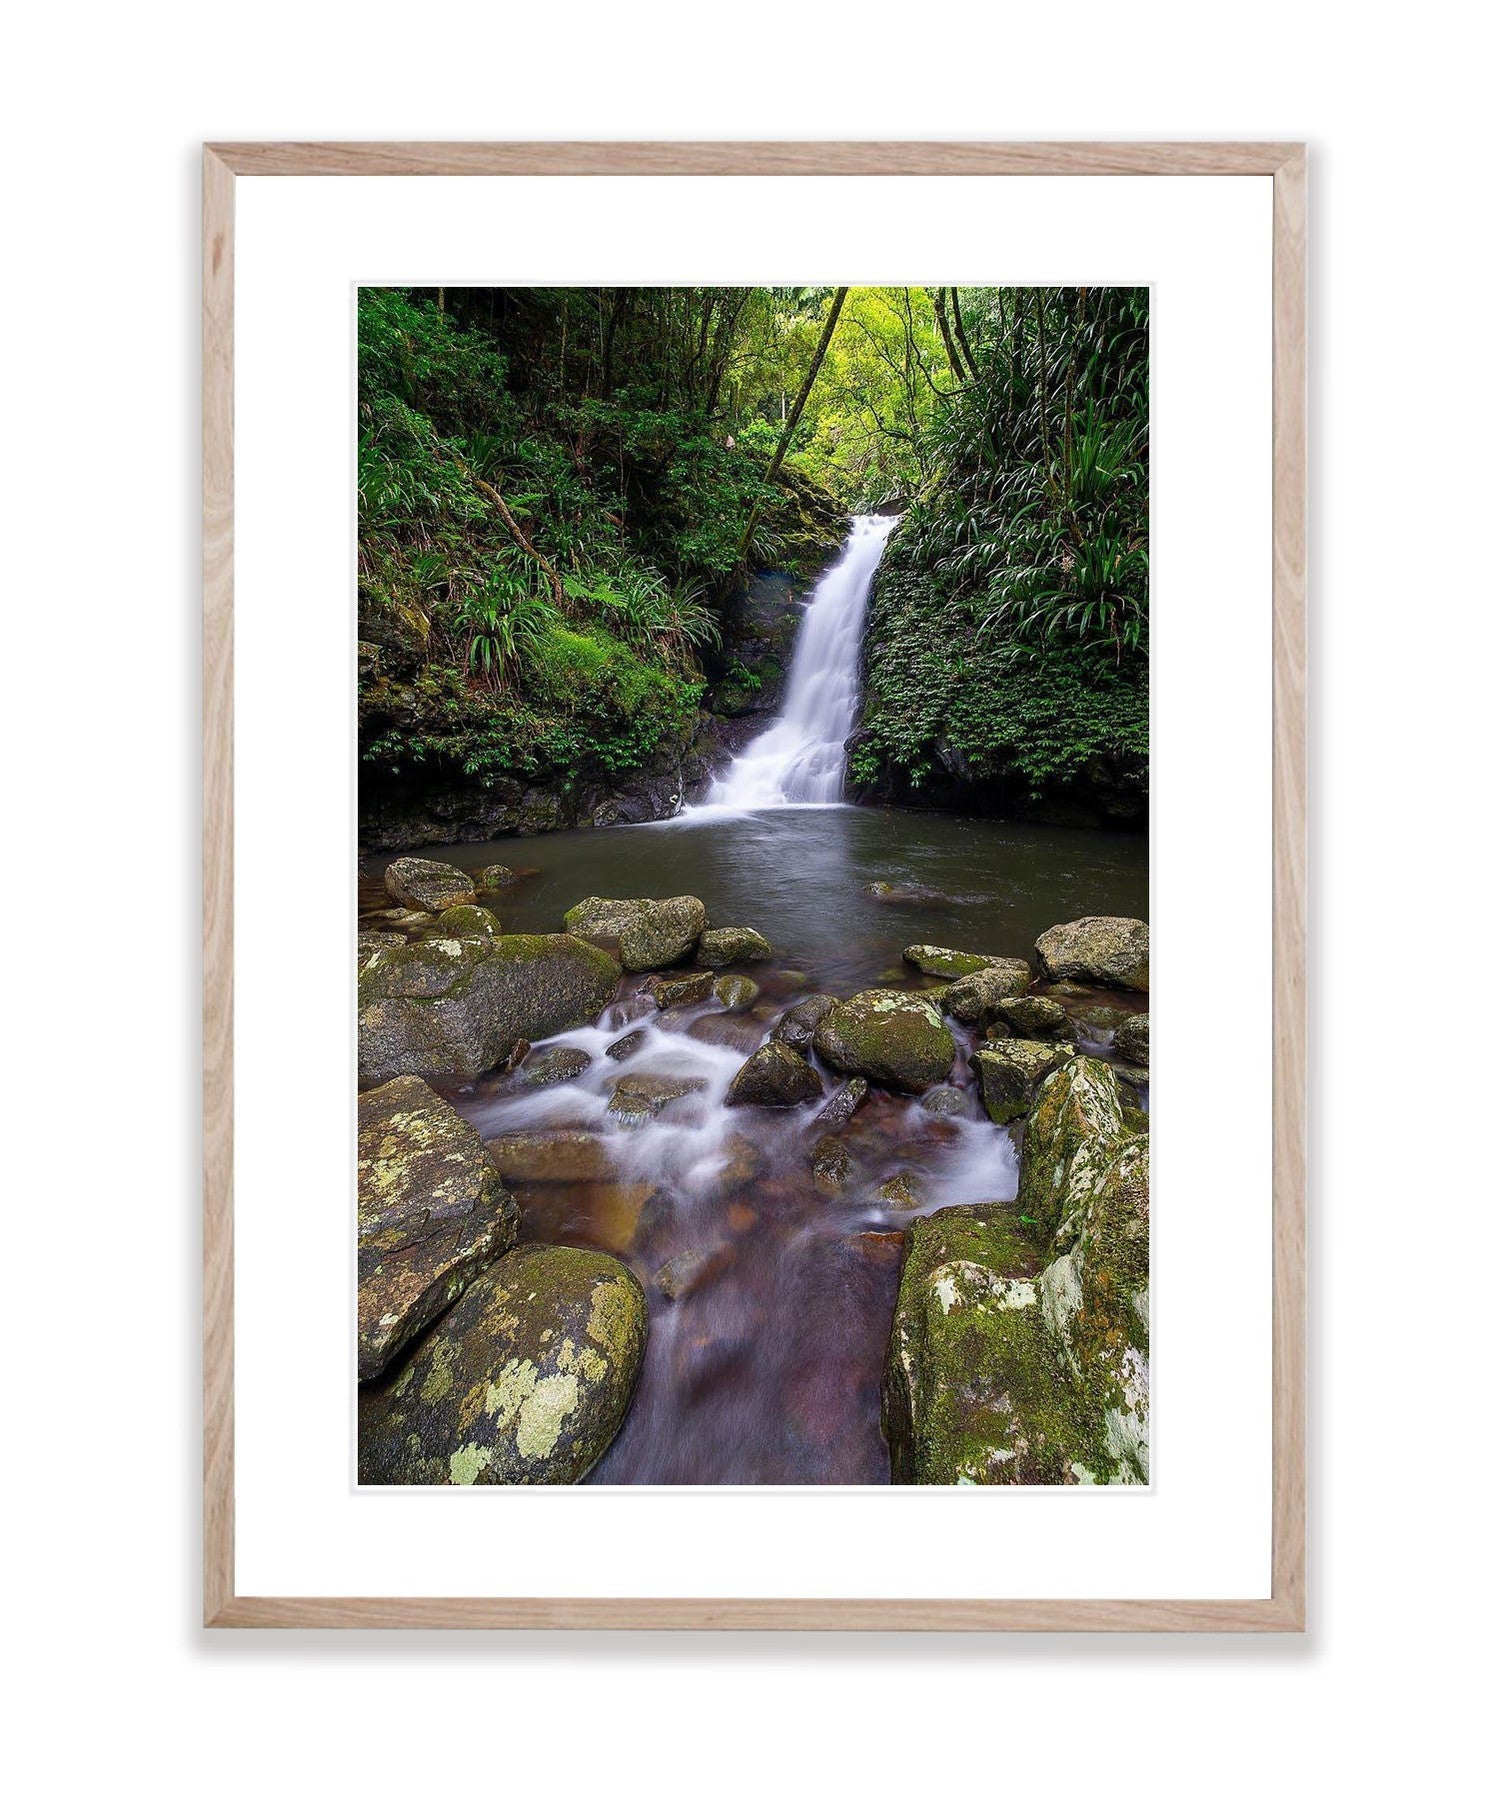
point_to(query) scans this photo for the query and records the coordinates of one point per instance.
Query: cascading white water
(798, 761)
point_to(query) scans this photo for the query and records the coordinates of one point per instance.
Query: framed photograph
(719, 661)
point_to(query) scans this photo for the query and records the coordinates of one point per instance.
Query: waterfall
(798, 760)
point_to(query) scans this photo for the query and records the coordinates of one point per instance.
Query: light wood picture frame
(1285, 163)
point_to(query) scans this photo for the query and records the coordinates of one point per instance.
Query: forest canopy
(566, 493)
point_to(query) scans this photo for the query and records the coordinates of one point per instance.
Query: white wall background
(105, 108)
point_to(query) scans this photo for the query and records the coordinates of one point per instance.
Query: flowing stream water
(764, 1364)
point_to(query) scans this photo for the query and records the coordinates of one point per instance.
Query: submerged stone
(640, 933)
(832, 1165)
(428, 886)
(550, 1156)
(525, 1381)
(902, 1190)
(433, 1212)
(692, 1269)
(946, 1102)
(895, 1039)
(1112, 952)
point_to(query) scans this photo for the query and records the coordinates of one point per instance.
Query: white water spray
(798, 761)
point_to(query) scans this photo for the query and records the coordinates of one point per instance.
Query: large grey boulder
(428, 886)
(524, 1382)
(1110, 952)
(895, 1039)
(449, 1008)
(641, 934)
(433, 1212)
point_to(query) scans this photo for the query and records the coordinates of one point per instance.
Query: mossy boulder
(525, 1381)
(684, 990)
(797, 1026)
(1132, 1039)
(735, 992)
(1010, 1073)
(1110, 952)
(433, 1212)
(428, 886)
(467, 921)
(640, 933)
(774, 1076)
(1039, 1020)
(894, 1039)
(950, 964)
(494, 876)
(371, 943)
(976, 998)
(732, 943)
(451, 1007)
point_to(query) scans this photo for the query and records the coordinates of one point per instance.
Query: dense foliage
(562, 492)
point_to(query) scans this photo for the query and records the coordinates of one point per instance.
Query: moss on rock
(524, 1382)
(732, 943)
(950, 964)
(1011, 1071)
(641, 933)
(895, 1039)
(775, 1075)
(1113, 952)
(977, 998)
(428, 886)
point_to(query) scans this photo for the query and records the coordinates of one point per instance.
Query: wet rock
(732, 943)
(624, 1047)
(832, 1165)
(452, 1007)
(950, 964)
(911, 894)
(467, 921)
(1106, 1019)
(1010, 1073)
(901, 1190)
(495, 876)
(371, 943)
(976, 998)
(1132, 1039)
(798, 1026)
(947, 1102)
(433, 1212)
(775, 1075)
(550, 1156)
(614, 1210)
(428, 886)
(881, 1248)
(525, 1381)
(1132, 1077)
(741, 1161)
(692, 1269)
(1039, 1020)
(1112, 952)
(741, 1218)
(895, 1039)
(560, 1063)
(844, 1103)
(640, 933)
(637, 1098)
(737, 992)
(685, 990)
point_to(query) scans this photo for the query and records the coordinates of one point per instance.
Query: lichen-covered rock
(950, 964)
(683, 990)
(637, 1098)
(797, 1026)
(1069, 1134)
(844, 1103)
(451, 1007)
(640, 933)
(732, 943)
(551, 1156)
(1010, 1073)
(1132, 1039)
(428, 886)
(976, 998)
(433, 1212)
(895, 1039)
(1112, 952)
(1039, 1020)
(467, 921)
(525, 1381)
(774, 1076)
(562, 1062)
(736, 992)
(495, 876)
(371, 943)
